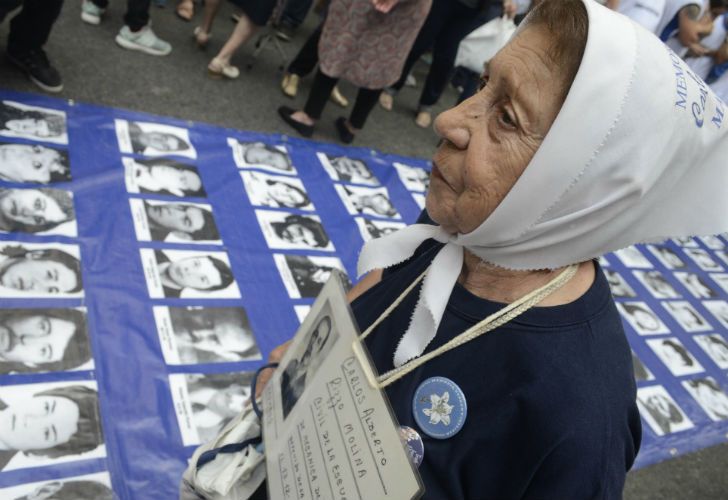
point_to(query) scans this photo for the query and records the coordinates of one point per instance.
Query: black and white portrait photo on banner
(49, 423)
(305, 276)
(302, 367)
(174, 221)
(275, 191)
(420, 199)
(367, 201)
(205, 403)
(686, 242)
(713, 242)
(373, 229)
(37, 211)
(720, 279)
(287, 231)
(32, 122)
(88, 487)
(163, 177)
(709, 395)
(687, 316)
(44, 340)
(696, 285)
(39, 270)
(618, 285)
(716, 347)
(719, 310)
(188, 274)
(33, 163)
(675, 356)
(703, 259)
(633, 257)
(301, 312)
(413, 178)
(660, 411)
(641, 318)
(196, 334)
(667, 256)
(261, 156)
(345, 169)
(656, 284)
(641, 372)
(153, 139)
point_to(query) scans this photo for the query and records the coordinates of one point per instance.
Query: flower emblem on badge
(440, 410)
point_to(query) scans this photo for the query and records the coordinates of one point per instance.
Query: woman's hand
(275, 357)
(384, 6)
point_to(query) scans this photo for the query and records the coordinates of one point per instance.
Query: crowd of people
(373, 44)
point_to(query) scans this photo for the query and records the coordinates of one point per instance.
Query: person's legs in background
(204, 31)
(293, 15)
(220, 64)
(366, 99)
(304, 120)
(29, 31)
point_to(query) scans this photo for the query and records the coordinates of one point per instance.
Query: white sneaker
(91, 13)
(143, 40)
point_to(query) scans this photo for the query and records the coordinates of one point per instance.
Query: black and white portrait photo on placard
(43, 340)
(49, 423)
(656, 284)
(302, 367)
(719, 310)
(305, 276)
(367, 201)
(373, 229)
(641, 372)
(153, 139)
(413, 178)
(696, 285)
(39, 270)
(287, 231)
(686, 242)
(660, 411)
(420, 199)
(196, 335)
(687, 316)
(174, 222)
(32, 122)
(716, 347)
(675, 356)
(345, 169)
(37, 211)
(205, 403)
(162, 176)
(667, 256)
(618, 285)
(720, 279)
(275, 191)
(188, 274)
(633, 257)
(641, 318)
(713, 242)
(703, 259)
(709, 396)
(33, 163)
(262, 156)
(88, 487)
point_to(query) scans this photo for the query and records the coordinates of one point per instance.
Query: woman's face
(30, 207)
(230, 401)
(379, 203)
(30, 126)
(175, 179)
(39, 275)
(490, 138)
(38, 422)
(24, 163)
(299, 235)
(659, 403)
(262, 156)
(714, 400)
(645, 319)
(176, 217)
(674, 357)
(162, 141)
(285, 195)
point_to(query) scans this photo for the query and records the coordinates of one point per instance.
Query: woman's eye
(506, 119)
(37, 165)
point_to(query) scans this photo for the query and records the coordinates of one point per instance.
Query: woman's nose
(452, 126)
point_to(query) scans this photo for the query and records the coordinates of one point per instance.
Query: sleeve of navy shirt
(551, 410)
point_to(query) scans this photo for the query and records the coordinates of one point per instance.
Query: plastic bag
(482, 44)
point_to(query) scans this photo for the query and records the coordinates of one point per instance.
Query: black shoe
(36, 65)
(305, 130)
(344, 133)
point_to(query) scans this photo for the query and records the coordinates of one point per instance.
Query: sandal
(218, 69)
(386, 101)
(185, 10)
(201, 38)
(423, 119)
(338, 97)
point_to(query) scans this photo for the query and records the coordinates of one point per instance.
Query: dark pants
(295, 12)
(137, 12)
(321, 90)
(448, 22)
(30, 28)
(307, 58)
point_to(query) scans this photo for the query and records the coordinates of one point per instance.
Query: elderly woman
(550, 165)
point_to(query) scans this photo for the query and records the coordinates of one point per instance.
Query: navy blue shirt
(550, 395)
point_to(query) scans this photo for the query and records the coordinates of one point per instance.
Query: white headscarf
(638, 153)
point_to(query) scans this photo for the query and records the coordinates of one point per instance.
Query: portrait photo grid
(229, 237)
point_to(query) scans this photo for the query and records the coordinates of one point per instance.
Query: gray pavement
(95, 70)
